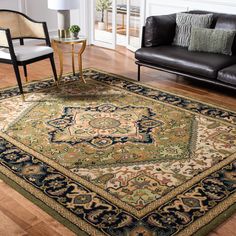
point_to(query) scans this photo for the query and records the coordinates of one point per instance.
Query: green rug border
(160, 89)
(68, 224)
(217, 221)
(205, 230)
(220, 106)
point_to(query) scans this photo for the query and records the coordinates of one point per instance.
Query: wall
(38, 10)
(159, 7)
(35, 8)
(12, 4)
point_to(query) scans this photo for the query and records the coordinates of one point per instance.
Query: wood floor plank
(9, 227)
(56, 226)
(42, 229)
(119, 62)
(6, 190)
(13, 210)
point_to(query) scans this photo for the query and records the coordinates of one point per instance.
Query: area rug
(115, 157)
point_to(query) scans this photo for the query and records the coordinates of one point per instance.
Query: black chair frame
(13, 59)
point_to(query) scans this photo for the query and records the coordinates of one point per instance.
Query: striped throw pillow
(184, 24)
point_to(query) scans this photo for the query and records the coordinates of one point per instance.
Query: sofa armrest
(159, 30)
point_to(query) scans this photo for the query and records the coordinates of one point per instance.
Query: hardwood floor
(18, 216)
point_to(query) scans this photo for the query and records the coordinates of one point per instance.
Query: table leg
(60, 54)
(73, 58)
(80, 60)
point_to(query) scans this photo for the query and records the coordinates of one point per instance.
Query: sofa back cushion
(215, 16)
(160, 30)
(227, 22)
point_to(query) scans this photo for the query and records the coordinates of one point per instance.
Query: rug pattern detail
(119, 156)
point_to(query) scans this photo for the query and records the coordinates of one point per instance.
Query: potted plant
(74, 29)
(102, 6)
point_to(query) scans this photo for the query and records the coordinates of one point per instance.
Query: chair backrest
(20, 25)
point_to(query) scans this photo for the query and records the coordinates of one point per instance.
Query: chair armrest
(6, 42)
(159, 30)
(3, 38)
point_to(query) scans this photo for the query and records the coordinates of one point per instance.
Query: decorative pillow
(212, 40)
(184, 24)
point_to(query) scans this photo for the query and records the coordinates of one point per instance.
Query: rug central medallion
(104, 125)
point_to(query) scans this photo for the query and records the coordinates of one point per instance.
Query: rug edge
(216, 222)
(55, 215)
(203, 231)
(161, 89)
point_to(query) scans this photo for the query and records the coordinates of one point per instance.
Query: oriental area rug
(115, 157)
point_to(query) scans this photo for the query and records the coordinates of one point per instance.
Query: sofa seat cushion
(228, 75)
(182, 60)
(26, 52)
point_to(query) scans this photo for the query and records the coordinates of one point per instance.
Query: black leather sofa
(157, 52)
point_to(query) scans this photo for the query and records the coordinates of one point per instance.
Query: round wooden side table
(56, 41)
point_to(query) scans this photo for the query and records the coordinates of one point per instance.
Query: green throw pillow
(185, 22)
(212, 40)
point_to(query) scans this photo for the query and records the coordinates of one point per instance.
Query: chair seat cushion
(180, 59)
(26, 52)
(228, 75)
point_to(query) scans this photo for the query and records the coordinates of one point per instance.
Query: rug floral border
(202, 218)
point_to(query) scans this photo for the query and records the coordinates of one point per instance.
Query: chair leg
(54, 69)
(25, 74)
(17, 73)
(139, 72)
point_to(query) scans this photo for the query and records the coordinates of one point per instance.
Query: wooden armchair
(15, 25)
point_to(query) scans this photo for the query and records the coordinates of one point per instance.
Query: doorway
(117, 23)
